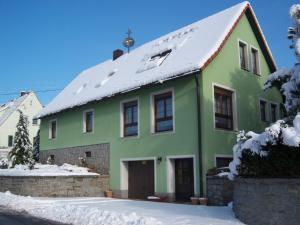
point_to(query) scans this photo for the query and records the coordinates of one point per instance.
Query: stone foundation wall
(98, 162)
(56, 186)
(219, 190)
(267, 201)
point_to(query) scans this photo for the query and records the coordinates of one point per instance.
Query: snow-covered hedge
(273, 153)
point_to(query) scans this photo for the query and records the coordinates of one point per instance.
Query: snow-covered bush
(3, 163)
(21, 153)
(36, 147)
(288, 80)
(273, 153)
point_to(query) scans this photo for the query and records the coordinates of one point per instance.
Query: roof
(10, 107)
(178, 53)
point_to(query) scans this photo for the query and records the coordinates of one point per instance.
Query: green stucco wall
(224, 70)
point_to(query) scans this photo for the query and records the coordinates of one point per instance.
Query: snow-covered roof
(178, 53)
(8, 108)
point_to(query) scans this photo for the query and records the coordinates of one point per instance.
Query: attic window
(160, 55)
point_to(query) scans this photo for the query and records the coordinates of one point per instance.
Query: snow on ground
(46, 170)
(100, 211)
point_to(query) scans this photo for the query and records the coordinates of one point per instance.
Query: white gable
(177, 53)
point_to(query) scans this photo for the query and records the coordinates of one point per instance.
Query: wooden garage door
(140, 179)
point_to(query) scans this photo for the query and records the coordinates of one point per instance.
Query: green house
(157, 118)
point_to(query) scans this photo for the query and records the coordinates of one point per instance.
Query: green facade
(224, 70)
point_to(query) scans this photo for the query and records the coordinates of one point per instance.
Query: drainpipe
(199, 135)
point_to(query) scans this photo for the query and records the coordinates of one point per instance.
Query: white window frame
(247, 55)
(221, 156)
(84, 120)
(152, 111)
(50, 129)
(267, 109)
(122, 117)
(258, 60)
(270, 111)
(234, 107)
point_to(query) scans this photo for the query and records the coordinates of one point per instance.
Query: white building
(29, 104)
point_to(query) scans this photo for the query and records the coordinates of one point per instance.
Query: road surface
(10, 217)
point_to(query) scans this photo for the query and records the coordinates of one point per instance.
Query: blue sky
(44, 44)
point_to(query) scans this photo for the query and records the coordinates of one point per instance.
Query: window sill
(129, 137)
(87, 133)
(163, 132)
(224, 130)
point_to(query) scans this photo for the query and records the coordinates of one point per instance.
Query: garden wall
(267, 201)
(219, 190)
(56, 186)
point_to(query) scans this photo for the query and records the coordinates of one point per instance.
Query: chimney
(23, 93)
(117, 53)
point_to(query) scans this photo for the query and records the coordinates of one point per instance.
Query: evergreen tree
(36, 147)
(288, 80)
(21, 153)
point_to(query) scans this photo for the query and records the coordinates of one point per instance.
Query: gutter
(199, 135)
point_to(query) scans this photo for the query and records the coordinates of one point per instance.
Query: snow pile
(73, 214)
(46, 170)
(290, 136)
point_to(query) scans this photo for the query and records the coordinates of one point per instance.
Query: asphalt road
(9, 217)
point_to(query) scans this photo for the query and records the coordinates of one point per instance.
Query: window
(10, 141)
(223, 109)
(130, 118)
(273, 109)
(52, 129)
(263, 110)
(88, 154)
(255, 61)
(243, 55)
(223, 161)
(163, 112)
(88, 121)
(34, 121)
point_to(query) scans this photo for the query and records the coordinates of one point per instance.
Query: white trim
(222, 156)
(152, 116)
(124, 171)
(267, 109)
(122, 117)
(277, 110)
(50, 129)
(83, 121)
(247, 55)
(234, 107)
(170, 166)
(258, 60)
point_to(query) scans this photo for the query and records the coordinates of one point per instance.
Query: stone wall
(56, 186)
(267, 201)
(219, 190)
(98, 161)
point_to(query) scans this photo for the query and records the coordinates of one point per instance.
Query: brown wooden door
(184, 179)
(140, 179)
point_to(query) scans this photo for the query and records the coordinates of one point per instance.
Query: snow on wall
(178, 52)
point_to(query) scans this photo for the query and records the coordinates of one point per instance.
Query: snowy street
(95, 211)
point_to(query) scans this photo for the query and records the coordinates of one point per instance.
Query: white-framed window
(274, 112)
(243, 55)
(224, 109)
(10, 140)
(162, 106)
(88, 121)
(35, 121)
(255, 61)
(129, 117)
(53, 129)
(263, 108)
